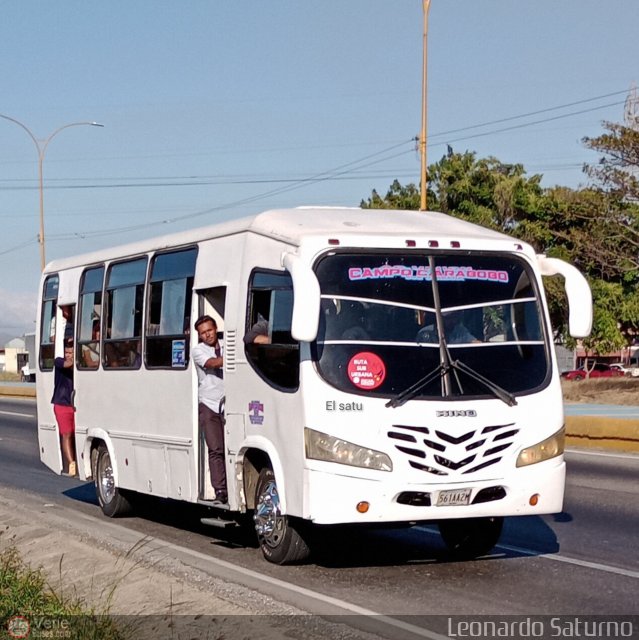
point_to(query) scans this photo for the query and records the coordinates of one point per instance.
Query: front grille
(443, 453)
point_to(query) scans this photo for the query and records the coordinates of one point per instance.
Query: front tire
(278, 535)
(111, 499)
(469, 538)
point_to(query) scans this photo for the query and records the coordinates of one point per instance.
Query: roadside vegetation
(27, 598)
(595, 228)
(623, 391)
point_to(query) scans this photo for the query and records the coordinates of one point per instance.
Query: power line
(531, 113)
(252, 151)
(18, 247)
(535, 122)
(178, 181)
(324, 175)
(333, 174)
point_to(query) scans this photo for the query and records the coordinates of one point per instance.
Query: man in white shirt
(208, 356)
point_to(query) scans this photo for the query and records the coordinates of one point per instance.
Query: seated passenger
(91, 351)
(259, 332)
(454, 329)
(352, 317)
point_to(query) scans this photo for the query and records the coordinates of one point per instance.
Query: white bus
(410, 374)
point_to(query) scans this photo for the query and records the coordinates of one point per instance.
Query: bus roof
(293, 225)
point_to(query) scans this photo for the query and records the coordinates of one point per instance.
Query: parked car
(600, 370)
(625, 369)
(631, 369)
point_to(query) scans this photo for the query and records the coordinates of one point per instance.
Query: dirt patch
(623, 391)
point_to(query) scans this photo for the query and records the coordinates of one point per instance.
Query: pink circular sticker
(366, 370)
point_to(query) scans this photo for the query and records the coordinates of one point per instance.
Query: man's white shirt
(210, 386)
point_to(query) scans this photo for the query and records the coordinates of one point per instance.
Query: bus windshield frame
(382, 312)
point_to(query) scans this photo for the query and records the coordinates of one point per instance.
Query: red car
(600, 370)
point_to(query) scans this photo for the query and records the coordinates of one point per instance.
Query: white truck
(28, 371)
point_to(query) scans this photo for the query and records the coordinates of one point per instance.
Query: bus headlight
(321, 446)
(544, 450)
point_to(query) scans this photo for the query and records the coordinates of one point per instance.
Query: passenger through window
(124, 304)
(88, 342)
(269, 345)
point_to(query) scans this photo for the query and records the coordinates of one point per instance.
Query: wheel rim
(270, 524)
(106, 482)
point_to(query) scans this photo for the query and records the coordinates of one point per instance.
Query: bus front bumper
(332, 498)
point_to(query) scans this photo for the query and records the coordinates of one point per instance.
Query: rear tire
(111, 499)
(278, 535)
(469, 538)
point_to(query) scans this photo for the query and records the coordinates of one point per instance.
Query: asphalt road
(580, 562)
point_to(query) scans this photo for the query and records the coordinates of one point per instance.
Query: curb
(607, 433)
(18, 392)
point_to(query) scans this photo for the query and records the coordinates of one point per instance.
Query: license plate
(453, 497)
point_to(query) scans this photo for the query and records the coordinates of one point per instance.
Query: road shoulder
(114, 570)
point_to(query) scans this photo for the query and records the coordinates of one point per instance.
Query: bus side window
(47, 322)
(124, 304)
(270, 302)
(88, 341)
(169, 315)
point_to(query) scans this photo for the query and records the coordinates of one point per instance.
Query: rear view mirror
(578, 292)
(306, 298)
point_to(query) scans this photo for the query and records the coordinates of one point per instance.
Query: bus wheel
(112, 502)
(278, 537)
(470, 537)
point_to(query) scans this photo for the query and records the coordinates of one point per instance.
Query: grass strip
(30, 608)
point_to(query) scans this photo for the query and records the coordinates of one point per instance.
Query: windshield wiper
(500, 392)
(442, 370)
(414, 389)
(447, 365)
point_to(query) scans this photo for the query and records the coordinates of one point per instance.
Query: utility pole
(422, 137)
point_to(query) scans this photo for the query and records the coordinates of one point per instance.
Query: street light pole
(422, 137)
(41, 148)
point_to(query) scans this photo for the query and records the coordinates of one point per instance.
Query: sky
(214, 110)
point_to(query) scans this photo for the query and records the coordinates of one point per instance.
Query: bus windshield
(381, 316)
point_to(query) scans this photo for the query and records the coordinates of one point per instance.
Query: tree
(596, 228)
(583, 226)
(617, 172)
(618, 169)
(485, 191)
(397, 197)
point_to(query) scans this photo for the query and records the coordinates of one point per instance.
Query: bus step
(220, 523)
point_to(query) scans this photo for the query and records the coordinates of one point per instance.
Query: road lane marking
(14, 413)
(628, 573)
(603, 454)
